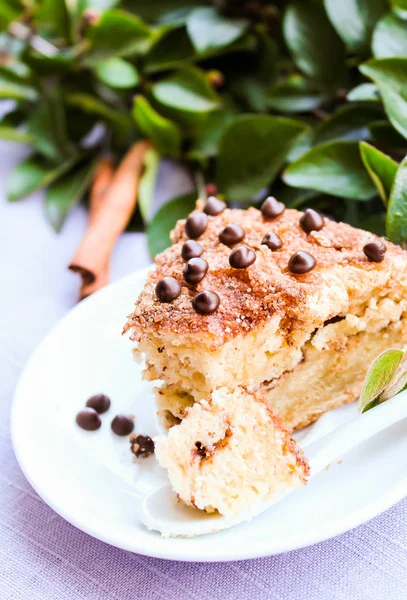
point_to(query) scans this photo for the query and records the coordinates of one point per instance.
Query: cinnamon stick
(110, 217)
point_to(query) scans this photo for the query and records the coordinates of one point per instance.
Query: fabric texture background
(44, 558)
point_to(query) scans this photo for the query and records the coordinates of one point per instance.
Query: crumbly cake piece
(230, 454)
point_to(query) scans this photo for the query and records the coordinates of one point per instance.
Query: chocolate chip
(195, 270)
(196, 224)
(167, 289)
(206, 302)
(311, 220)
(272, 208)
(242, 257)
(99, 402)
(272, 241)
(214, 206)
(332, 320)
(301, 262)
(232, 234)
(141, 445)
(122, 425)
(88, 419)
(191, 249)
(375, 251)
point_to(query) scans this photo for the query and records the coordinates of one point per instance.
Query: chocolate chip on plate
(206, 302)
(242, 257)
(195, 270)
(122, 425)
(272, 208)
(214, 206)
(232, 234)
(311, 220)
(196, 224)
(88, 419)
(375, 251)
(99, 402)
(191, 249)
(167, 289)
(301, 262)
(141, 445)
(272, 241)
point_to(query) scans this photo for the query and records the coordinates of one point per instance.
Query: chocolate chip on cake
(311, 220)
(301, 262)
(214, 206)
(191, 249)
(206, 302)
(167, 289)
(375, 251)
(122, 425)
(242, 257)
(141, 445)
(99, 402)
(88, 419)
(195, 270)
(196, 224)
(232, 234)
(272, 241)
(272, 208)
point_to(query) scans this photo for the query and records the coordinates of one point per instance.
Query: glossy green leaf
(381, 168)
(399, 8)
(158, 231)
(364, 92)
(208, 29)
(165, 134)
(350, 122)
(252, 150)
(384, 134)
(15, 135)
(335, 168)
(13, 87)
(63, 194)
(48, 128)
(92, 105)
(294, 95)
(390, 37)
(390, 76)
(296, 197)
(313, 42)
(380, 375)
(302, 144)
(61, 63)
(117, 73)
(396, 222)
(54, 15)
(354, 20)
(186, 90)
(170, 49)
(209, 132)
(147, 185)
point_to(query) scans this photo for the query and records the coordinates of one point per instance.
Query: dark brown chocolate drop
(214, 206)
(191, 249)
(206, 302)
(232, 234)
(311, 220)
(272, 208)
(375, 251)
(122, 425)
(242, 257)
(196, 224)
(301, 262)
(272, 241)
(195, 270)
(167, 289)
(99, 402)
(88, 419)
(141, 445)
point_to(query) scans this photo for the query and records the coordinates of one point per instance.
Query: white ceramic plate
(89, 477)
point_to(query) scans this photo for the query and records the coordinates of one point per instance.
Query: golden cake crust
(343, 275)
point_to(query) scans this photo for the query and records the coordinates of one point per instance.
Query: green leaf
(117, 73)
(312, 41)
(186, 90)
(15, 135)
(148, 183)
(94, 106)
(33, 174)
(294, 95)
(354, 20)
(376, 223)
(55, 16)
(380, 375)
(384, 134)
(381, 168)
(350, 122)
(335, 168)
(61, 63)
(295, 197)
(208, 29)
(390, 37)
(396, 223)
(13, 87)
(390, 76)
(8, 13)
(400, 8)
(209, 132)
(301, 146)
(63, 194)
(364, 92)
(252, 150)
(165, 134)
(170, 49)
(158, 231)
